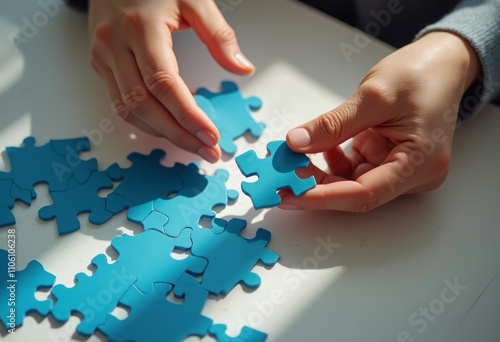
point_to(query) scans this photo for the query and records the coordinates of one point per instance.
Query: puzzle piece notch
(275, 172)
(230, 112)
(247, 334)
(196, 200)
(9, 193)
(93, 297)
(147, 256)
(136, 189)
(26, 282)
(53, 163)
(230, 256)
(68, 204)
(154, 318)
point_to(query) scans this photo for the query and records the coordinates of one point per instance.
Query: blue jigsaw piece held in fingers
(231, 113)
(275, 172)
(144, 181)
(81, 198)
(93, 297)
(153, 318)
(23, 286)
(230, 256)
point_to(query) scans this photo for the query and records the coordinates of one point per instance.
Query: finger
(144, 106)
(208, 22)
(372, 189)
(358, 113)
(338, 163)
(152, 49)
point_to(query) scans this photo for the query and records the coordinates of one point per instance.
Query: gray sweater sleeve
(478, 21)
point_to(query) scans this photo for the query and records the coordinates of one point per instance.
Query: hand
(402, 118)
(131, 49)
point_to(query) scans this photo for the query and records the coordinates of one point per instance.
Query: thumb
(331, 128)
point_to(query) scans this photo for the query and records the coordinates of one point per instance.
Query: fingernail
(289, 206)
(299, 137)
(208, 154)
(207, 138)
(243, 60)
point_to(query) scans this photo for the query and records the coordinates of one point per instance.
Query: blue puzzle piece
(153, 318)
(22, 288)
(276, 172)
(230, 256)
(81, 198)
(148, 257)
(246, 335)
(53, 163)
(146, 180)
(196, 200)
(230, 112)
(9, 193)
(93, 297)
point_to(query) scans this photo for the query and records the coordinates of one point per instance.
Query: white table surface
(385, 268)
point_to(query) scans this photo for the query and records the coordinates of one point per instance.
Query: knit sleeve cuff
(477, 21)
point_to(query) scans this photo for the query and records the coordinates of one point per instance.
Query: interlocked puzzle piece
(93, 297)
(9, 193)
(20, 289)
(147, 256)
(230, 112)
(68, 204)
(196, 200)
(146, 180)
(230, 256)
(153, 318)
(276, 172)
(53, 163)
(246, 335)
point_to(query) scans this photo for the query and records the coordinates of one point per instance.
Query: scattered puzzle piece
(276, 172)
(195, 200)
(230, 112)
(230, 256)
(148, 257)
(144, 181)
(93, 297)
(22, 288)
(68, 204)
(53, 163)
(246, 335)
(154, 318)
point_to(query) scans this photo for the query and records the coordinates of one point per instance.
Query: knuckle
(369, 202)
(329, 126)
(103, 33)
(377, 93)
(134, 20)
(135, 101)
(180, 139)
(160, 82)
(225, 35)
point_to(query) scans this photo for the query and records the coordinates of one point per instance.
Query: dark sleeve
(80, 5)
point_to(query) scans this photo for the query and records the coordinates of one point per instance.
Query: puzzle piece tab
(153, 318)
(246, 335)
(93, 297)
(230, 256)
(230, 112)
(146, 180)
(68, 204)
(20, 289)
(275, 172)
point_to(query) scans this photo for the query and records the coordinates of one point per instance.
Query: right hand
(131, 49)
